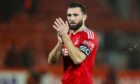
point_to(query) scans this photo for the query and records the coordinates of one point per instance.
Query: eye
(68, 14)
(75, 14)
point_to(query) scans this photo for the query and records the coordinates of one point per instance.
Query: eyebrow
(75, 14)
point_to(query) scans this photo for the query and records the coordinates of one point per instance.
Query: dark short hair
(76, 4)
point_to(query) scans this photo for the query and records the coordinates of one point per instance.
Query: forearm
(54, 54)
(75, 54)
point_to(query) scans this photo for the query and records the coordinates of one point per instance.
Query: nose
(72, 18)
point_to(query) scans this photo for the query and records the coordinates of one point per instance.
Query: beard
(76, 26)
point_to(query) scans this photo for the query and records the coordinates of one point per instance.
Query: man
(78, 45)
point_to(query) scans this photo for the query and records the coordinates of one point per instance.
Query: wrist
(65, 37)
(63, 34)
(59, 43)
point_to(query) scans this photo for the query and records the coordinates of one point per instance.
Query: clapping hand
(61, 27)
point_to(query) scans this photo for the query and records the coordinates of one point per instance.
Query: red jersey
(86, 41)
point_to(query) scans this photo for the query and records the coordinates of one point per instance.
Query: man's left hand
(61, 27)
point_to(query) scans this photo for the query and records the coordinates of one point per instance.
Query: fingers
(59, 25)
(55, 27)
(59, 22)
(56, 23)
(67, 24)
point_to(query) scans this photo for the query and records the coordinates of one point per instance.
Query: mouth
(72, 23)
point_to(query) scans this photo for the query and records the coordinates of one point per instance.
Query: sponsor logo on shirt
(89, 44)
(65, 51)
(76, 42)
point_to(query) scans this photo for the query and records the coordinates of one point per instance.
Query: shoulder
(88, 33)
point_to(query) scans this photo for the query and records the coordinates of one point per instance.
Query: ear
(84, 17)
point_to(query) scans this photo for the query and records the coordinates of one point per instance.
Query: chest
(76, 39)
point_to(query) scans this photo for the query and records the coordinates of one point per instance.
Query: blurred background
(27, 37)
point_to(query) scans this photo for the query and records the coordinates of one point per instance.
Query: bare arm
(75, 54)
(54, 54)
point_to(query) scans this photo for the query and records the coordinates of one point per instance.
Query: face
(75, 18)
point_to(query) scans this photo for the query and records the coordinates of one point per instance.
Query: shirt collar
(79, 30)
